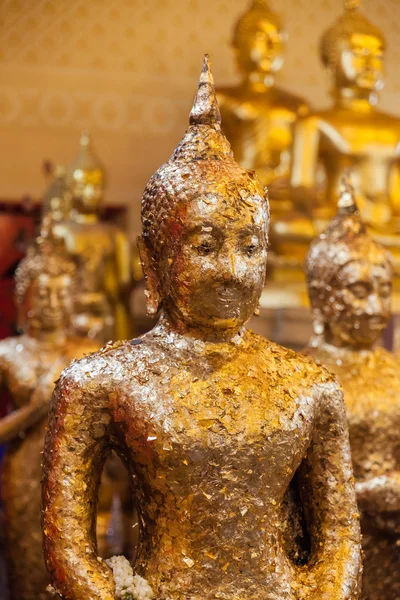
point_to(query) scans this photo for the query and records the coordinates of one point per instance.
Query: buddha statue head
(352, 49)
(349, 279)
(259, 42)
(45, 283)
(54, 201)
(205, 226)
(85, 179)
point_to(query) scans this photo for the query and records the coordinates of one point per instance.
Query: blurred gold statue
(349, 279)
(352, 133)
(32, 361)
(214, 422)
(55, 199)
(257, 118)
(100, 250)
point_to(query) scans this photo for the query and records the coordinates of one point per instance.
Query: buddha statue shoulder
(214, 422)
(353, 133)
(100, 250)
(349, 279)
(35, 359)
(258, 117)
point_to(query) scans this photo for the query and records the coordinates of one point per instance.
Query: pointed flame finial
(350, 5)
(347, 200)
(85, 139)
(205, 109)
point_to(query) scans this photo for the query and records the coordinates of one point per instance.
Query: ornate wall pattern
(127, 70)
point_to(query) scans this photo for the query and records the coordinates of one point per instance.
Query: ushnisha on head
(45, 283)
(353, 50)
(259, 40)
(349, 278)
(85, 178)
(205, 227)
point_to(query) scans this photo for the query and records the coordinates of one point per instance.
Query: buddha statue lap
(257, 118)
(32, 361)
(100, 250)
(353, 133)
(349, 279)
(214, 422)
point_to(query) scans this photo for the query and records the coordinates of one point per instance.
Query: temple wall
(127, 70)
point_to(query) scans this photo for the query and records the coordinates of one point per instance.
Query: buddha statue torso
(101, 252)
(353, 133)
(214, 423)
(370, 380)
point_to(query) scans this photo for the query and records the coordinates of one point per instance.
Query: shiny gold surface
(101, 251)
(349, 278)
(352, 133)
(213, 421)
(29, 364)
(257, 118)
(55, 200)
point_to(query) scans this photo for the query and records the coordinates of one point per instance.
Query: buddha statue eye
(360, 290)
(385, 290)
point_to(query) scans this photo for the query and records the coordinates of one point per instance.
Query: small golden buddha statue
(55, 199)
(101, 251)
(44, 293)
(353, 133)
(349, 279)
(214, 421)
(257, 118)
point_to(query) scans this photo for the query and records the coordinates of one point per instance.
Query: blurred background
(128, 70)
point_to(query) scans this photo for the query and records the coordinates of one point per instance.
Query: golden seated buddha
(349, 279)
(353, 133)
(100, 250)
(257, 118)
(215, 423)
(28, 363)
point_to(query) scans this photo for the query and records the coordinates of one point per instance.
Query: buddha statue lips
(213, 421)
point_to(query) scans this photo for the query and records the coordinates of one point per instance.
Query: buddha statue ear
(153, 298)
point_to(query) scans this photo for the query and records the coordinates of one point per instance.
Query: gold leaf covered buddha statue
(101, 251)
(349, 279)
(214, 422)
(257, 118)
(353, 133)
(55, 199)
(35, 359)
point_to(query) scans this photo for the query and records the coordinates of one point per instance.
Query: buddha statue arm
(20, 419)
(379, 494)
(76, 447)
(328, 496)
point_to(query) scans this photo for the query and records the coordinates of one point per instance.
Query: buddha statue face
(349, 279)
(259, 41)
(87, 189)
(205, 226)
(353, 50)
(48, 302)
(360, 62)
(45, 283)
(355, 305)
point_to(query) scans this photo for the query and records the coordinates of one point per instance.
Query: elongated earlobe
(152, 292)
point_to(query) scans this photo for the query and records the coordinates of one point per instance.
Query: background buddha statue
(55, 199)
(44, 293)
(214, 421)
(100, 250)
(349, 280)
(352, 133)
(257, 118)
